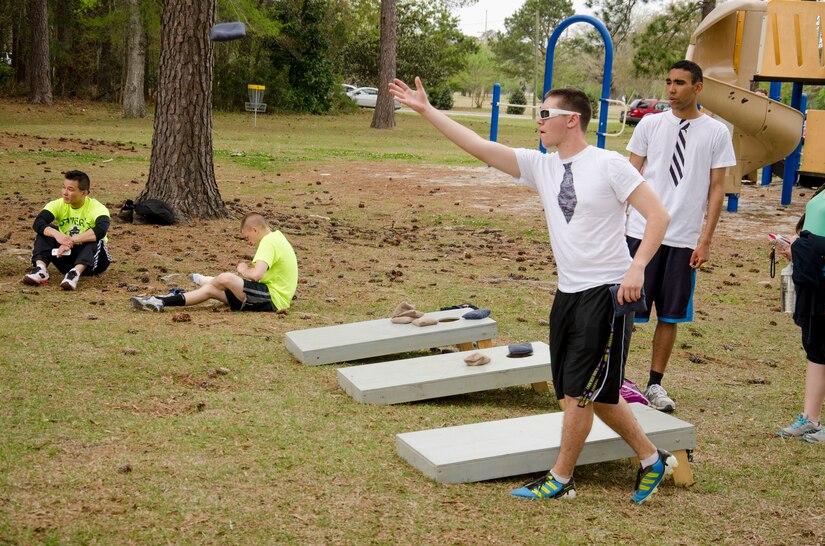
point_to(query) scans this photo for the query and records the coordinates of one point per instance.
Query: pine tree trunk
(182, 172)
(19, 48)
(384, 115)
(134, 105)
(40, 84)
(707, 7)
(66, 81)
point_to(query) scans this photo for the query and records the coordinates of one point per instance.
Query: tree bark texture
(40, 84)
(707, 7)
(182, 172)
(384, 115)
(20, 46)
(134, 104)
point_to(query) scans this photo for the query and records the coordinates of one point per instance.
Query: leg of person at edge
(682, 154)
(267, 284)
(807, 253)
(585, 192)
(71, 234)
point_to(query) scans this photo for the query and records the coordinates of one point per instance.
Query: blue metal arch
(608, 67)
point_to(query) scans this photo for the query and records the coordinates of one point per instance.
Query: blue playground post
(494, 116)
(775, 93)
(792, 161)
(608, 67)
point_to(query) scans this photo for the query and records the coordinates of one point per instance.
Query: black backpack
(155, 211)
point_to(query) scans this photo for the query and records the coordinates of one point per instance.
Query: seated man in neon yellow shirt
(71, 234)
(267, 284)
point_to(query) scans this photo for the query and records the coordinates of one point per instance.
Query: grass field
(118, 428)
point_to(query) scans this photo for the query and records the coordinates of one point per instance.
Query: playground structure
(746, 41)
(605, 99)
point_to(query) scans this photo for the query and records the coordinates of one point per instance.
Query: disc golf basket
(256, 100)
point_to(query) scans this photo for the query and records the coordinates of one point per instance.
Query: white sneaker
(150, 303)
(38, 276)
(657, 397)
(199, 279)
(70, 280)
(800, 428)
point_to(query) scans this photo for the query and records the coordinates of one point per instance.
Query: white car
(348, 89)
(367, 96)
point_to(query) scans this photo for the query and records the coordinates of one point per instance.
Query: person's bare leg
(216, 289)
(814, 390)
(577, 424)
(80, 268)
(204, 293)
(664, 338)
(620, 418)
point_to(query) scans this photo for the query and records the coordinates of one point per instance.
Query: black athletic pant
(95, 256)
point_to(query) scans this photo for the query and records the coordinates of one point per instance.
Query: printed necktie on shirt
(567, 194)
(677, 163)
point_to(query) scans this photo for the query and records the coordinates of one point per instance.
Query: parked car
(639, 108)
(366, 97)
(348, 89)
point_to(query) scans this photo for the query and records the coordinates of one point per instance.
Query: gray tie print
(567, 194)
(677, 163)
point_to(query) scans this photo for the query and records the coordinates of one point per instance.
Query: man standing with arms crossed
(585, 191)
(682, 154)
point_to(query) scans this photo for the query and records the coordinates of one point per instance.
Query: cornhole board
(524, 445)
(358, 340)
(426, 377)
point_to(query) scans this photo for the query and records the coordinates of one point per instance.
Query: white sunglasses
(550, 113)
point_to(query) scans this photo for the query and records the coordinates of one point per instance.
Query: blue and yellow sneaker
(546, 487)
(649, 478)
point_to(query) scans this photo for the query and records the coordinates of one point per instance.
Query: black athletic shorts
(669, 283)
(813, 338)
(579, 332)
(257, 298)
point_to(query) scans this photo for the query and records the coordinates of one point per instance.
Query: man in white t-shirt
(585, 191)
(682, 154)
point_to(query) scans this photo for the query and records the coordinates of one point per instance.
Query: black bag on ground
(155, 211)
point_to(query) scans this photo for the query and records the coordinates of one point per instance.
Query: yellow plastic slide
(728, 47)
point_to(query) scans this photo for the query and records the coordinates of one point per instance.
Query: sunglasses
(550, 113)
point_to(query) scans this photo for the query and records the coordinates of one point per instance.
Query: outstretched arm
(494, 154)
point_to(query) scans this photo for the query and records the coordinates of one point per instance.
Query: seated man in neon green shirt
(71, 234)
(267, 284)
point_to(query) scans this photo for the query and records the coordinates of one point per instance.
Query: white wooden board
(524, 445)
(358, 340)
(440, 375)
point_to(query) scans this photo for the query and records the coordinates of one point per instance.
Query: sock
(175, 300)
(655, 378)
(563, 481)
(650, 461)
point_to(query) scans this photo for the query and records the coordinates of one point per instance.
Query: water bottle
(788, 293)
